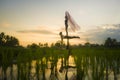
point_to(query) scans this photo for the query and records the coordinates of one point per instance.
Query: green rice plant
(5, 62)
(37, 69)
(100, 61)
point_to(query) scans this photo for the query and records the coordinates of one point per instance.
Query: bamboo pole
(67, 47)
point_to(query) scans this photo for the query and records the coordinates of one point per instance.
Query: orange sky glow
(40, 21)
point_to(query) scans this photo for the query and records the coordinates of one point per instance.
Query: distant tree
(80, 45)
(52, 45)
(33, 45)
(109, 42)
(41, 45)
(94, 45)
(2, 39)
(45, 45)
(118, 44)
(6, 40)
(87, 44)
(59, 44)
(114, 42)
(11, 41)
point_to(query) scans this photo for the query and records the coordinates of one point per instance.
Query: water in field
(32, 76)
(12, 73)
(52, 64)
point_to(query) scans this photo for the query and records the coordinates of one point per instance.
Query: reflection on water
(15, 71)
(61, 76)
(10, 75)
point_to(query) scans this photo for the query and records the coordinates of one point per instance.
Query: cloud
(110, 26)
(37, 31)
(102, 32)
(96, 35)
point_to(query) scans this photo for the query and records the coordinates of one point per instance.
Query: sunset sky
(34, 21)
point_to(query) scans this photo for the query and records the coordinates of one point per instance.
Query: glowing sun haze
(34, 21)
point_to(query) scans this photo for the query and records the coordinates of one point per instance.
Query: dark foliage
(6, 40)
(109, 42)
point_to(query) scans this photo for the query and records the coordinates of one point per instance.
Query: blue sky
(37, 20)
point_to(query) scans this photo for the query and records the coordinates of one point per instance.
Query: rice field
(83, 63)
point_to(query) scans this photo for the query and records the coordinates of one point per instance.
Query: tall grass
(93, 63)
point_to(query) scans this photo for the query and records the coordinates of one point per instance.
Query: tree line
(7, 40)
(10, 41)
